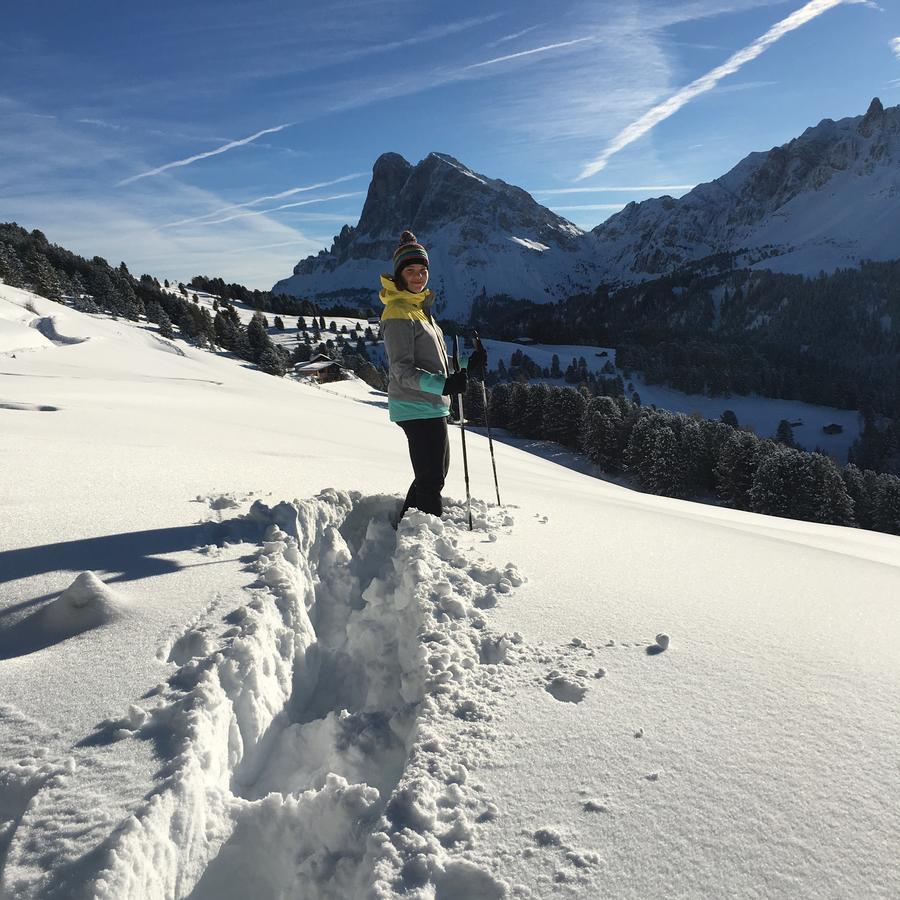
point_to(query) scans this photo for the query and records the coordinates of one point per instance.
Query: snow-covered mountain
(483, 236)
(824, 200)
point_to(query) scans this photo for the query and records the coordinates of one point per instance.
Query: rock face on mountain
(826, 199)
(484, 237)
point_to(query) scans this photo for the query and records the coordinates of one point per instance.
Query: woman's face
(416, 277)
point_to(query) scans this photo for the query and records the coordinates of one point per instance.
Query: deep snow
(253, 694)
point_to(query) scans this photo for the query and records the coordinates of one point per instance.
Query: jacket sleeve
(399, 342)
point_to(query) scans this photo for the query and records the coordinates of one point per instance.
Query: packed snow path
(317, 740)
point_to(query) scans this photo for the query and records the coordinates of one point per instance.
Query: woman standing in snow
(420, 382)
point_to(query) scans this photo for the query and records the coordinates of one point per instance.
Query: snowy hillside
(223, 674)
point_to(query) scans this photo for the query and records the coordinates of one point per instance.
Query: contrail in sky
(280, 196)
(262, 212)
(707, 82)
(191, 159)
(499, 59)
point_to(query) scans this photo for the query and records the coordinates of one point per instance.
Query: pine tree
(474, 402)
(858, 485)
(729, 418)
(131, 307)
(165, 326)
(800, 485)
(775, 482)
(518, 399)
(12, 272)
(42, 277)
(829, 501)
(536, 400)
(735, 467)
(103, 290)
(563, 414)
(271, 361)
(554, 367)
(78, 288)
(258, 337)
(227, 328)
(602, 433)
(785, 434)
(498, 407)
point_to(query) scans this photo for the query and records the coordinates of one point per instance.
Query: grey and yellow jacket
(416, 352)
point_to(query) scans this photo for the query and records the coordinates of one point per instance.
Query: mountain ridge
(824, 200)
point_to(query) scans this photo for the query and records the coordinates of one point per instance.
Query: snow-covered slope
(826, 199)
(263, 690)
(483, 237)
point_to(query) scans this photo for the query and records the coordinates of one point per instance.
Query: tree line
(675, 455)
(831, 340)
(28, 260)
(266, 301)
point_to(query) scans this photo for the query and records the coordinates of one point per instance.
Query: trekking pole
(462, 428)
(487, 423)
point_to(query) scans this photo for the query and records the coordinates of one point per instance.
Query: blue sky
(166, 134)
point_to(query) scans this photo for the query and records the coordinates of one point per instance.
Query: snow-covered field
(223, 674)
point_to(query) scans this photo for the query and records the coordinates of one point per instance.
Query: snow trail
(319, 739)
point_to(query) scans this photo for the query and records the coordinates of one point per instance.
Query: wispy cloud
(280, 196)
(511, 37)
(268, 246)
(895, 46)
(544, 49)
(434, 33)
(192, 159)
(262, 212)
(707, 82)
(641, 188)
(101, 124)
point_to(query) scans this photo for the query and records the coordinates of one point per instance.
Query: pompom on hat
(410, 252)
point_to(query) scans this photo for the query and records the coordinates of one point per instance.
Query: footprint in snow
(566, 688)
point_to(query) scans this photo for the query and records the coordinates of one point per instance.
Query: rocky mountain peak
(872, 119)
(483, 235)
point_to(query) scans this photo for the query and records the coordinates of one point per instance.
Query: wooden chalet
(320, 367)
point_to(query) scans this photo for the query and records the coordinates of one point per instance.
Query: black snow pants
(429, 451)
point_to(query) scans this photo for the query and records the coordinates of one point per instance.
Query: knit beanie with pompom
(409, 253)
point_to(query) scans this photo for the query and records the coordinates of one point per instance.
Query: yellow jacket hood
(390, 293)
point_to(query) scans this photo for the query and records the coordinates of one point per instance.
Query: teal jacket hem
(406, 410)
